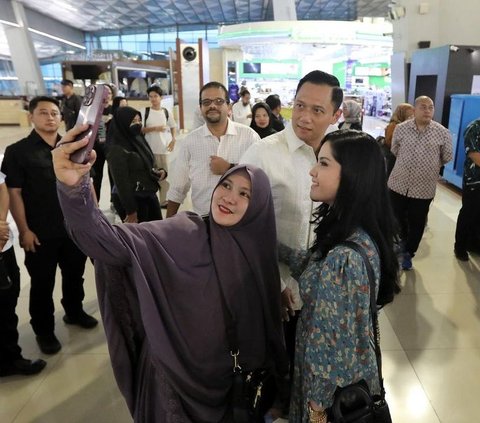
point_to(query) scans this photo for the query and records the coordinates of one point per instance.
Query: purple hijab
(163, 313)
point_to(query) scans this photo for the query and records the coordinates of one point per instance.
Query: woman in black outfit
(100, 146)
(131, 163)
(262, 120)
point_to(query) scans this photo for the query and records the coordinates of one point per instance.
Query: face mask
(135, 129)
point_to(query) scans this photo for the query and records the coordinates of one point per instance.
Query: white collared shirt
(192, 164)
(287, 161)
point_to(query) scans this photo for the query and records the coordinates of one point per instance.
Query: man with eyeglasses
(421, 146)
(207, 152)
(35, 208)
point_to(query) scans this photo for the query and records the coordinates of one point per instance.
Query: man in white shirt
(207, 152)
(287, 157)
(241, 110)
(159, 129)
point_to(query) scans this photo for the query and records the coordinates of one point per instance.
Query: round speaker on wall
(189, 54)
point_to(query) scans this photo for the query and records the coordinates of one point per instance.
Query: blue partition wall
(464, 109)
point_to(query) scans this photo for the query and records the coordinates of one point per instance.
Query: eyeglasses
(217, 101)
(45, 114)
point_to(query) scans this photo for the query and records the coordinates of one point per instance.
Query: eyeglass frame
(207, 102)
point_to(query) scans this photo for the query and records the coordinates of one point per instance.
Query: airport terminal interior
(430, 338)
(430, 334)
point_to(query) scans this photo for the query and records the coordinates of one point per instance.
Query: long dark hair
(362, 201)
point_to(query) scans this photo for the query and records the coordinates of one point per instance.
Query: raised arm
(86, 224)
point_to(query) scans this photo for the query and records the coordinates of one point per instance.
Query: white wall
(217, 66)
(447, 22)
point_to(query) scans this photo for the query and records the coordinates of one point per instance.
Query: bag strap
(147, 112)
(230, 323)
(166, 112)
(373, 309)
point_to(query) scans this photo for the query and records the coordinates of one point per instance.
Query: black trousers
(42, 266)
(290, 331)
(148, 208)
(9, 348)
(467, 233)
(98, 168)
(411, 214)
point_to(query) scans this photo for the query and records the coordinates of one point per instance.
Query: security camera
(454, 48)
(189, 54)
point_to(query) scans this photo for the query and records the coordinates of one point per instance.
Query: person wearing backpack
(159, 129)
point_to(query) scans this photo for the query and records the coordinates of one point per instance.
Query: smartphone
(90, 113)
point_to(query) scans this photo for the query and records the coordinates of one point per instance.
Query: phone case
(90, 113)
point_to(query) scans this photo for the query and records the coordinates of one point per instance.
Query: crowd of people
(262, 258)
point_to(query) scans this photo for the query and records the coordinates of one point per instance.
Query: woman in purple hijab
(158, 286)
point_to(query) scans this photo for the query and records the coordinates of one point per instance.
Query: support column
(23, 55)
(284, 10)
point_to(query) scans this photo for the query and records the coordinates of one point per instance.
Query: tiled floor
(430, 342)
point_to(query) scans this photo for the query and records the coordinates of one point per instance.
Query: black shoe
(83, 320)
(23, 367)
(49, 344)
(475, 249)
(461, 255)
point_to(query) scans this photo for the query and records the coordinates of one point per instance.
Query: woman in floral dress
(334, 336)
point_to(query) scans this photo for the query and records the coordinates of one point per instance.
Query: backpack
(147, 112)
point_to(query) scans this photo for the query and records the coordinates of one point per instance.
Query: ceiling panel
(94, 15)
(101, 15)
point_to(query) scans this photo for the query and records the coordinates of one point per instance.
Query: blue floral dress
(334, 343)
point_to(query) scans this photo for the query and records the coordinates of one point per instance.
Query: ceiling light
(9, 23)
(62, 40)
(63, 5)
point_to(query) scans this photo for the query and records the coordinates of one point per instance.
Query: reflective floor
(430, 341)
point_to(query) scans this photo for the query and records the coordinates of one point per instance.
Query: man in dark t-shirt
(71, 104)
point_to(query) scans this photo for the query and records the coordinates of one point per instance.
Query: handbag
(355, 403)
(248, 393)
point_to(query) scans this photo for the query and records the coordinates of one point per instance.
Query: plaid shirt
(420, 155)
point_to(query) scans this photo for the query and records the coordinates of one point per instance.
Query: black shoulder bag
(354, 403)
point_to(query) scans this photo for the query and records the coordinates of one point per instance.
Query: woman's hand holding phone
(67, 171)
